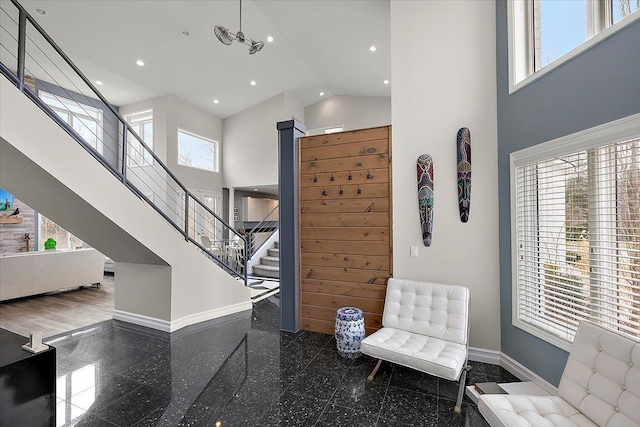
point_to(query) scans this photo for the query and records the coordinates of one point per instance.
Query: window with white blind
(576, 233)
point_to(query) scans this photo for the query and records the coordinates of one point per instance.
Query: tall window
(84, 119)
(64, 239)
(544, 33)
(197, 152)
(142, 124)
(621, 8)
(577, 239)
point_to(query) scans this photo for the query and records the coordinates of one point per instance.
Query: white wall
(250, 142)
(443, 69)
(354, 112)
(169, 115)
(189, 118)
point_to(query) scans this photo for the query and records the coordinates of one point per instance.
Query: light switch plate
(414, 252)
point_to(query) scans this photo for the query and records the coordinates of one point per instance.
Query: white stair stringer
(160, 277)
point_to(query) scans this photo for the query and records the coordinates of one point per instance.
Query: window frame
(608, 133)
(521, 50)
(99, 119)
(129, 117)
(216, 161)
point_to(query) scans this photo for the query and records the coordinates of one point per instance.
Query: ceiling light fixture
(386, 82)
(270, 39)
(373, 49)
(253, 82)
(140, 63)
(321, 94)
(227, 37)
(215, 101)
(185, 33)
(42, 12)
(98, 82)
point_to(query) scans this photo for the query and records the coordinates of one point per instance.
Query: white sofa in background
(425, 327)
(39, 272)
(109, 265)
(600, 386)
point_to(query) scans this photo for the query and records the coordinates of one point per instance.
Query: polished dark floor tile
(314, 339)
(106, 390)
(242, 371)
(410, 379)
(294, 410)
(357, 393)
(335, 415)
(470, 416)
(409, 407)
(135, 406)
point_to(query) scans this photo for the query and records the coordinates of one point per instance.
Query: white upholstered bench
(600, 386)
(425, 327)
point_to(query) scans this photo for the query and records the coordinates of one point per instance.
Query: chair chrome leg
(463, 381)
(375, 370)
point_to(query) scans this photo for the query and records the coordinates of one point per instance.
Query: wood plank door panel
(345, 226)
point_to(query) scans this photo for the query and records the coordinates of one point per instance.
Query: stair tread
(266, 267)
(270, 258)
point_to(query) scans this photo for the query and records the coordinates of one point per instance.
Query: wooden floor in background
(54, 313)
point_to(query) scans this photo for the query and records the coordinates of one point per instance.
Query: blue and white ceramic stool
(349, 331)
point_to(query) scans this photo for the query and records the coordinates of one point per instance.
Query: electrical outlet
(414, 252)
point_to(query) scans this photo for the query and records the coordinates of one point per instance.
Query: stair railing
(78, 107)
(259, 234)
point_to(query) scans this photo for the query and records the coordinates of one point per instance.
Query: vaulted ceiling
(319, 46)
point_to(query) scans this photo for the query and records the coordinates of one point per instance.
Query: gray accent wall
(598, 86)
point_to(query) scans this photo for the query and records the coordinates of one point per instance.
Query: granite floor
(242, 371)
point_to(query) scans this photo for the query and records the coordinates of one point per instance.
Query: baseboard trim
(526, 374)
(484, 355)
(167, 326)
(516, 368)
(139, 319)
(211, 314)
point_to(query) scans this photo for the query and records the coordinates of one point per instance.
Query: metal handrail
(19, 80)
(262, 227)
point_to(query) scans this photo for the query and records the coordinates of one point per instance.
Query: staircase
(269, 265)
(123, 201)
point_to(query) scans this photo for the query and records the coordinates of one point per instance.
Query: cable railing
(259, 234)
(31, 60)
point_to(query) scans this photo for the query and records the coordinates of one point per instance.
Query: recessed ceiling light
(185, 33)
(42, 12)
(140, 63)
(321, 94)
(373, 49)
(98, 82)
(255, 189)
(215, 101)
(386, 82)
(253, 82)
(270, 39)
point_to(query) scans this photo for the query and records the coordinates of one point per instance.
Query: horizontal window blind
(578, 237)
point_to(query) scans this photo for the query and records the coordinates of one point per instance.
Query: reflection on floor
(59, 312)
(262, 288)
(241, 370)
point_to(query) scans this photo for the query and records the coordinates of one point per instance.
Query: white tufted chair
(600, 386)
(425, 327)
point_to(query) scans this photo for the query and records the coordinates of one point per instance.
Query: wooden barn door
(345, 226)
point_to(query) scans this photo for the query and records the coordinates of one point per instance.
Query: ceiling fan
(227, 37)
